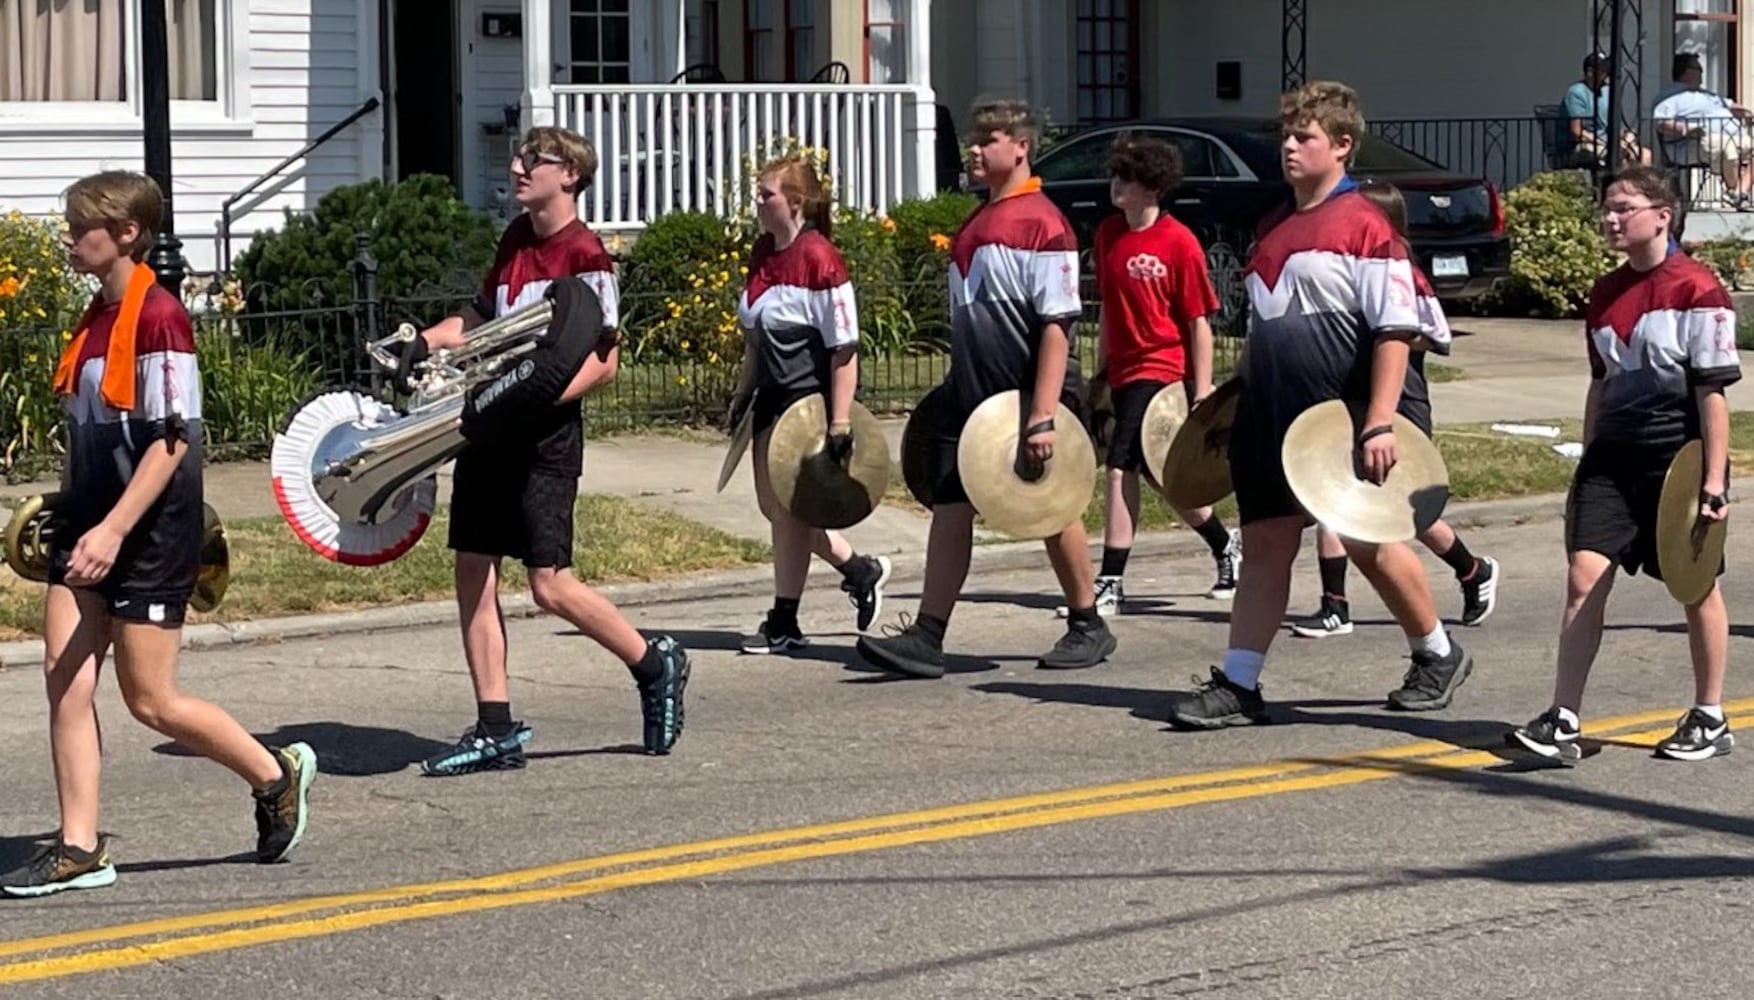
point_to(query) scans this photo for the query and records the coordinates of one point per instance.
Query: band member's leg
(146, 661)
(1588, 582)
(76, 640)
(1477, 575)
(1440, 666)
(791, 565)
(1224, 543)
(1704, 732)
(1335, 614)
(483, 626)
(917, 650)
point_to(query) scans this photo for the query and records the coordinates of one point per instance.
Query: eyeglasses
(1622, 211)
(529, 159)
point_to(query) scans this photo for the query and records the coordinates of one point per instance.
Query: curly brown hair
(1153, 163)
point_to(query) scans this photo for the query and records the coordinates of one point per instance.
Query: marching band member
(1662, 347)
(1477, 576)
(801, 328)
(1333, 315)
(1014, 297)
(126, 546)
(1156, 297)
(514, 498)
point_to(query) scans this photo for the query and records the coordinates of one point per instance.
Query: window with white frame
(885, 41)
(601, 33)
(86, 51)
(1708, 28)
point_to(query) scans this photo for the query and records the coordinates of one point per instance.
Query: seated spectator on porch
(1717, 125)
(1586, 111)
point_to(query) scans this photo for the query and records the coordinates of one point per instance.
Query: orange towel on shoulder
(119, 375)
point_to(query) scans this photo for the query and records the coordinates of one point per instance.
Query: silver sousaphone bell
(357, 480)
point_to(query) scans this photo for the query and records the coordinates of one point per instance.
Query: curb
(990, 558)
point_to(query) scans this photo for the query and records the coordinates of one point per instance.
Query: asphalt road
(821, 832)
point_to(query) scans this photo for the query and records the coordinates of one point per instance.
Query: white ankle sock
(1436, 643)
(1243, 667)
(1715, 711)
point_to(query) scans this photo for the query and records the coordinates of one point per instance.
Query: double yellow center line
(127, 945)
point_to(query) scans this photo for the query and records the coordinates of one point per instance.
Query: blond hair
(1333, 106)
(803, 188)
(1008, 116)
(573, 148)
(111, 200)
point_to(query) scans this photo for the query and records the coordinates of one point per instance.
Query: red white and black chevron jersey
(1654, 336)
(1013, 270)
(1154, 285)
(105, 444)
(1323, 284)
(523, 268)
(800, 308)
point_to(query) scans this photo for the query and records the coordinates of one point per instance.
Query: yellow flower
(682, 380)
(30, 359)
(724, 276)
(66, 335)
(940, 242)
(888, 224)
(685, 345)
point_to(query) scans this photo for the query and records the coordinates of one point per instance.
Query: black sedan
(1233, 179)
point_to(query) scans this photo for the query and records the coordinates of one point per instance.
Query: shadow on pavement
(342, 748)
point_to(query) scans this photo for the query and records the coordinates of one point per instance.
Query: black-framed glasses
(529, 159)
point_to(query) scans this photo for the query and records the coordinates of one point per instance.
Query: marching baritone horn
(31, 530)
(357, 480)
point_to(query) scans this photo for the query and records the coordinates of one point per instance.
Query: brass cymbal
(813, 487)
(1689, 548)
(740, 439)
(916, 443)
(1020, 502)
(214, 575)
(1099, 411)
(1195, 471)
(1321, 466)
(1165, 416)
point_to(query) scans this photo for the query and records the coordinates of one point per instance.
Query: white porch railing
(665, 148)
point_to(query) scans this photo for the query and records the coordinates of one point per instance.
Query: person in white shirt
(1692, 113)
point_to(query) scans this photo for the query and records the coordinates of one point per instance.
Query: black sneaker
(1549, 736)
(1335, 618)
(772, 638)
(54, 869)
(1698, 737)
(1431, 681)
(1480, 591)
(477, 751)
(1085, 644)
(865, 588)
(660, 699)
(1229, 565)
(909, 650)
(1218, 703)
(281, 812)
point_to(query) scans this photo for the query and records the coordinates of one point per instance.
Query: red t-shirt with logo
(1154, 284)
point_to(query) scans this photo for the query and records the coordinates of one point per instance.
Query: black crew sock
(495, 717)
(934, 627)
(1333, 577)
(1114, 561)
(1083, 616)
(648, 667)
(784, 615)
(1460, 559)
(1213, 531)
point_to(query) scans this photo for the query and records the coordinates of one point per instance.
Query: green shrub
(425, 240)
(41, 299)
(868, 244)
(663, 264)
(1730, 259)
(1557, 249)
(923, 230)
(247, 389)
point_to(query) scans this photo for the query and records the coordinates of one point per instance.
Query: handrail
(370, 105)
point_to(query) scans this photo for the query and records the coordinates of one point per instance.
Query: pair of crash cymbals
(1690, 548)
(1323, 466)
(1188, 451)
(808, 483)
(1015, 495)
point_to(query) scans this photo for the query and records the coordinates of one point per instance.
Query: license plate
(1449, 267)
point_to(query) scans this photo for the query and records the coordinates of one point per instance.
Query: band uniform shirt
(1654, 337)
(523, 268)
(1013, 270)
(800, 309)
(1323, 285)
(105, 446)
(1154, 284)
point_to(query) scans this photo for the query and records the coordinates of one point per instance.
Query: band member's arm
(837, 320)
(1050, 373)
(447, 334)
(843, 383)
(1054, 294)
(599, 369)
(1198, 380)
(602, 363)
(1388, 374)
(1714, 435)
(1713, 365)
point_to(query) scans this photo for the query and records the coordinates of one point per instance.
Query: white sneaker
(1229, 566)
(1109, 595)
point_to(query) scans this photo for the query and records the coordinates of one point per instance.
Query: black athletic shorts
(512, 510)
(943, 474)
(1612, 507)
(1257, 468)
(1126, 447)
(142, 586)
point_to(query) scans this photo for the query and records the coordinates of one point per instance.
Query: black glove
(408, 354)
(840, 447)
(740, 404)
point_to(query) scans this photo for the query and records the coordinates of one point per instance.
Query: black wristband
(1716, 501)
(1034, 429)
(1377, 431)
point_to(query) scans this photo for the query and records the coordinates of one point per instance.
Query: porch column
(537, 101)
(919, 76)
(1293, 38)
